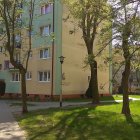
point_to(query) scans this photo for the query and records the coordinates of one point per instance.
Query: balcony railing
(9, 66)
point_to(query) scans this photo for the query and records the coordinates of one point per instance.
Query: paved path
(44, 105)
(9, 128)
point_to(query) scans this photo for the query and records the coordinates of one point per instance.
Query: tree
(10, 11)
(126, 29)
(90, 14)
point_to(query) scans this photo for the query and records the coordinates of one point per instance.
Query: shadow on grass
(129, 119)
(107, 98)
(84, 99)
(79, 124)
(108, 103)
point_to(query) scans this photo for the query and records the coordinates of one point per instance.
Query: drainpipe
(110, 70)
(52, 81)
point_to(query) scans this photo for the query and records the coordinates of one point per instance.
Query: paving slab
(9, 128)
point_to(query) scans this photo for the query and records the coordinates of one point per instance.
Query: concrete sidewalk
(50, 104)
(9, 128)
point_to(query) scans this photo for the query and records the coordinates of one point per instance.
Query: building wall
(11, 87)
(74, 49)
(72, 46)
(35, 63)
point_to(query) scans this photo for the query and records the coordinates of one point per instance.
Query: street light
(61, 61)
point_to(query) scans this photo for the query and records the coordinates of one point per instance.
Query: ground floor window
(44, 76)
(15, 76)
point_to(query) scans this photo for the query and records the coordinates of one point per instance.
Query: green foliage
(93, 17)
(89, 59)
(88, 13)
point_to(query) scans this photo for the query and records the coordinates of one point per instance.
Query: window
(18, 41)
(1, 49)
(30, 33)
(30, 54)
(6, 64)
(19, 16)
(28, 75)
(45, 53)
(19, 5)
(45, 9)
(18, 38)
(45, 30)
(15, 77)
(17, 57)
(18, 45)
(44, 76)
(0, 66)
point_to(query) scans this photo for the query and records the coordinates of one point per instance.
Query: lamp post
(61, 61)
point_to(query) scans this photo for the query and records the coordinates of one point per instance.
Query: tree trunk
(94, 79)
(125, 83)
(23, 92)
(92, 90)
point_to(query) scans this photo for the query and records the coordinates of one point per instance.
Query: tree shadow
(129, 119)
(82, 123)
(67, 125)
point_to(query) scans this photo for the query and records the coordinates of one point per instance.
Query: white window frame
(28, 75)
(18, 38)
(17, 57)
(15, 77)
(44, 78)
(45, 53)
(31, 54)
(45, 30)
(43, 9)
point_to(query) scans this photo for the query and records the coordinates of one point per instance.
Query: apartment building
(44, 70)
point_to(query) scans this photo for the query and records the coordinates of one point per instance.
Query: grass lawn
(104, 98)
(109, 98)
(82, 123)
(135, 96)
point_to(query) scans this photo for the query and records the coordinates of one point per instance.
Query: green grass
(109, 98)
(104, 98)
(135, 96)
(83, 123)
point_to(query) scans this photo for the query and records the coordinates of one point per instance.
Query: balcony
(9, 66)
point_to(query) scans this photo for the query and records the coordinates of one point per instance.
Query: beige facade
(74, 49)
(75, 77)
